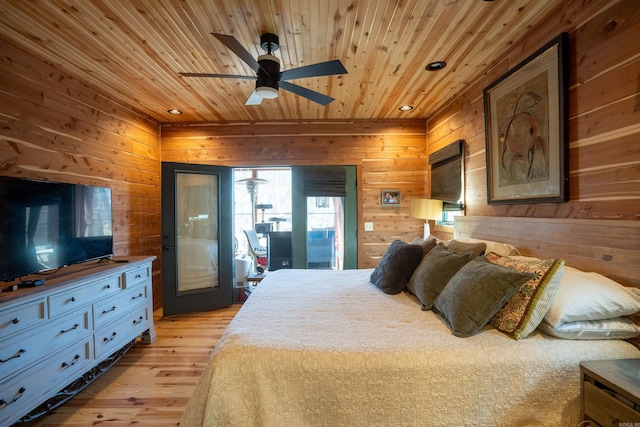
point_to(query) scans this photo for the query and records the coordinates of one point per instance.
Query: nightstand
(611, 392)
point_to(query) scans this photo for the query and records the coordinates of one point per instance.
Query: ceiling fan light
(270, 59)
(267, 92)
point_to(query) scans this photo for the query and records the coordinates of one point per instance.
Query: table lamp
(427, 209)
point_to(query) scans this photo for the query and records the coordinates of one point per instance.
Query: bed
(329, 348)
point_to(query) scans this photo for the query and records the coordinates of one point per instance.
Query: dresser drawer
(17, 352)
(115, 307)
(112, 337)
(605, 409)
(20, 317)
(137, 276)
(20, 394)
(78, 296)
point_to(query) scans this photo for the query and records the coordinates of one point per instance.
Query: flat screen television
(49, 225)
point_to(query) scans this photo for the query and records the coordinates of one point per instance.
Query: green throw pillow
(396, 267)
(436, 268)
(477, 248)
(476, 293)
(427, 244)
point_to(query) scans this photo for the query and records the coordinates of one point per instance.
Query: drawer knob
(73, 362)
(15, 321)
(72, 299)
(111, 338)
(107, 287)
(4, 403)
(18, 353)
(138, 276)
(111, 309)
(70, 329)
(137, 322)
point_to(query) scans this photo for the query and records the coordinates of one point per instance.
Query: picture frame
(391, 198)
(526, 136)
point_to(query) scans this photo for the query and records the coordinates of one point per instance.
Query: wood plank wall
(388, 154)
(604, 115)
(55, 128)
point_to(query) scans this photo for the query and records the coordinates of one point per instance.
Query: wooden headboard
(609, 247)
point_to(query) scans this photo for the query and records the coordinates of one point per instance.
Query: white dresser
(57, 338)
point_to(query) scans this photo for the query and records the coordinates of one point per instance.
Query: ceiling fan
(269, 77)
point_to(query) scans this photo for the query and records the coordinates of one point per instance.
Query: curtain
(325, 182)
(447, 175)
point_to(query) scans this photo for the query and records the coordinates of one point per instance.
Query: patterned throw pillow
(524, 311)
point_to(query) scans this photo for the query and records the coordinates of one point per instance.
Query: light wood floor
(151, 384)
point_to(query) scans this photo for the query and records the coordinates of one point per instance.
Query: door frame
(174, 301)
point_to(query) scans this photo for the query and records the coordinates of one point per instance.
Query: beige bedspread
(326, 348)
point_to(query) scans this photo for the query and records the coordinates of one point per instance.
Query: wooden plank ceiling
(136, 48)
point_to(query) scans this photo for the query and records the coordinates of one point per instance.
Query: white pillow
(503, 249)
(590, 296)
(618, 328)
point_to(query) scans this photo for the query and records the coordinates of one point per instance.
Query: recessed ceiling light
(174, 111)
(436, 65)
(406, 108)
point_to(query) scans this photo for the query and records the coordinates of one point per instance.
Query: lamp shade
(426, 209)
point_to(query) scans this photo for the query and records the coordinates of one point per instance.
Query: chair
(263, 227)
(258, 251)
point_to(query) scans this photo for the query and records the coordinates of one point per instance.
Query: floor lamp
(427, 209)
(252, 183)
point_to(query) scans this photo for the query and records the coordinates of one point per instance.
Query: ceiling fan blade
(223, 76)
(233, 44)
(328, 68)
(307, 93)
(254, 99)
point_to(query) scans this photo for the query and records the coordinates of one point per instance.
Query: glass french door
(324, 224)
(325, 232)
(197, 238)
